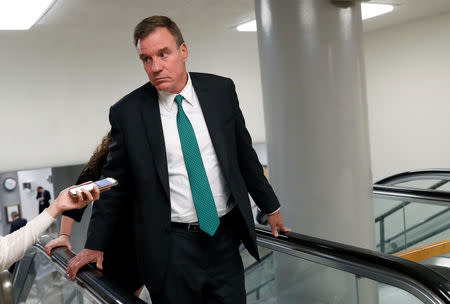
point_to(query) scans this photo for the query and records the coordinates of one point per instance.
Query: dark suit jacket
(46, 200)
(137, 159)
(17, 224)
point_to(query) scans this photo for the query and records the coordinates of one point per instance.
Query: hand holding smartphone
(102, 184)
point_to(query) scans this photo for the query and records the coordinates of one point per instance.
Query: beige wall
(408, 73)
(56, 86)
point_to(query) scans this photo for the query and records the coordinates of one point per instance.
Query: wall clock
(9, 183)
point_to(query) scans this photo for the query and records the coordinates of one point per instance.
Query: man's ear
(184, 51)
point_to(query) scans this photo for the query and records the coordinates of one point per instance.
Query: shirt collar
(168, 99)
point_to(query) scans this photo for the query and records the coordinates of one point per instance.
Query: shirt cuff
(274, 211)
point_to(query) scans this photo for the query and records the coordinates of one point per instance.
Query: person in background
(14, 245)
(119, 262)
(16, 224)
(43, 197)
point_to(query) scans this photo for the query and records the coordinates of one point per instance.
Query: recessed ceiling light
(249, 26)
(22, 14)
(368, 10)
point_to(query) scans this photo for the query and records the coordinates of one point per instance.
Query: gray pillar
(312, 72)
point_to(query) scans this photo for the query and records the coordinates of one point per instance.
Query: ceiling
(192, 15)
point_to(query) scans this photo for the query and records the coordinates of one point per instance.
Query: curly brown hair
(98, 158)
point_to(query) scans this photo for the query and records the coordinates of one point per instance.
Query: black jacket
(17, 224)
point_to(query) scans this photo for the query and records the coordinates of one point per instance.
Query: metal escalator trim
(438, 174)
(428, 196)
(416, 279)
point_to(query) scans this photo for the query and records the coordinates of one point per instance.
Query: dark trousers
(204, 269)
(42, 206)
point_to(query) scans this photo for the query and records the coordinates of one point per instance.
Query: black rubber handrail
(439, 174)
(415, 278)
(437, 197)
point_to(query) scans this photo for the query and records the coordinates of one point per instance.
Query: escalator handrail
(412, 194)
(415, 278)
(439, 174)
(89, 277)
(404, 204)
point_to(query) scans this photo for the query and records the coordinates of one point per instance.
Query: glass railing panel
(287, 279)
(412, 225)
(282, 278)
(445, 187)
(386, 294)
(392, 224)
(46, 284)
(419, 184)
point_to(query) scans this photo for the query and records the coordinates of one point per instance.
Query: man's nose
(156, 66)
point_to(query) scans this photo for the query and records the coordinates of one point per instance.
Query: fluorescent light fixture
(22, 14)
(249, 26)
(368, 10)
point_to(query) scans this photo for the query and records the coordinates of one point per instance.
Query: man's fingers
(74, 265)
(274, 230)
(100, 263)
(283, 228)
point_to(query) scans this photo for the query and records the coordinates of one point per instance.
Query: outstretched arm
(14, 245)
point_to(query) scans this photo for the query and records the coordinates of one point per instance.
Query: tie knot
(179, 99)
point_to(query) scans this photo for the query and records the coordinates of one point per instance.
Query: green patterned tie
(201, 191)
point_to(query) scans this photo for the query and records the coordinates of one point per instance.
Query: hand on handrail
(62, 240)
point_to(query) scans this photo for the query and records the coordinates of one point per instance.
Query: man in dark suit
(185, 165)
(43, 197)
(17, 222)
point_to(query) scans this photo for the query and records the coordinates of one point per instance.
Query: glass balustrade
(283, 278)
(44, 282)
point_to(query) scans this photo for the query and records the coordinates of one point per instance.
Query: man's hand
(275, 221)
(85, 256)
(62, 240)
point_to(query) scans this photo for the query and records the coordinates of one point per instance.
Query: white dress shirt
(14, 245)
(182, 203)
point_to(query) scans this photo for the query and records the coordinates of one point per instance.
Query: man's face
(40, 190)
(163, 61)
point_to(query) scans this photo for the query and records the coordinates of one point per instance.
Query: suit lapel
(152, 120)
(213, 118)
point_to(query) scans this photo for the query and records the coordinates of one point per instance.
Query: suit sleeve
(106, 211)
(251, 169)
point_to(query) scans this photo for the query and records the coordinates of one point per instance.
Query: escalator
(320, 272)
(294, 268)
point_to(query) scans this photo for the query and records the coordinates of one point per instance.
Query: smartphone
(100, 184)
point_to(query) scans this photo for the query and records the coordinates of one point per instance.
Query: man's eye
(163, 55)
(146, 60)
